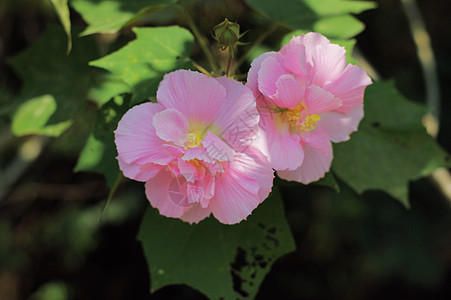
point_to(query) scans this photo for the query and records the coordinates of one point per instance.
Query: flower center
(193, 140)
(310, 122)
(298, 118)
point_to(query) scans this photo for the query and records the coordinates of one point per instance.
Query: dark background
(52, 245)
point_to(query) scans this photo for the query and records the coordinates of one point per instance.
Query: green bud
(227, 34)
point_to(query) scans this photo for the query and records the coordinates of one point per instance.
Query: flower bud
(227, 34)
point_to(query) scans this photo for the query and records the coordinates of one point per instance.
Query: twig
(200, 40)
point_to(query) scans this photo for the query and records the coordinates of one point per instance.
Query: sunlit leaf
(62, 9)
(329, 17)
(221, 261)
(110, 16)
(33, 115)
(143, 62)
(54, 79)
(391, 146)
(105, 87)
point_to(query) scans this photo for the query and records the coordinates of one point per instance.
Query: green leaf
(339, 27)
(329, 17)
(110, 16)
(143, 62)
(391, 146)
(62, 9)
(52, 78)
(329, 180)
(105, 87)
(32, 117)
(99, 153)
(221, 261)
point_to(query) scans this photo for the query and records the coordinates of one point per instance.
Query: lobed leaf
(110, 16)
(143, 62)
(391, 146)
(221, 261)
(53, 79)
(329, 17)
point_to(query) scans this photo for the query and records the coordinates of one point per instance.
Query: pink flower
(193, 149)
(308, 97)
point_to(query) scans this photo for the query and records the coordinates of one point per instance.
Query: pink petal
(238, 122)
(171, 126)
(269, 73)
(195, 214)
(329, 61)
(237, 189)
(195, 192)
(319, 140)
(319, 100)
(283, 149)
(292, 52)
(135, 136)
(189, 171)
(168, 193)
(139, 172)
(349, 87)
(252, 76)
(199, 153)
(289, 92)
(175, 151)
(260, 171)
(217, 148)
(198, 97)
(315, 165)
(339, 126)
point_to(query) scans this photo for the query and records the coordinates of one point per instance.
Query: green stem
(110, 196)
(229, 64)
(200, 68)
(254, 45)
(200, 40)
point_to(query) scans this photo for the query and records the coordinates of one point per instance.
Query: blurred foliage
(349, 245)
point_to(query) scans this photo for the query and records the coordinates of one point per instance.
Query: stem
(427, 62)
(229, 64)
(200, 68)
(260, 39)
(200, 40)
(110, 196)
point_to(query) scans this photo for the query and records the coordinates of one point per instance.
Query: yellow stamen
(293, 118)
(310, 122)
(195, 162)
(193, 140)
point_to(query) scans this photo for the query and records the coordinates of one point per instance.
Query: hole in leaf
(237, 265)
(376, 124)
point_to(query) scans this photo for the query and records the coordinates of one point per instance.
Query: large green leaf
(221, 261)
(53, 79)
(329, 17)
(144, 61)
(391, 146)
(99, 153)
(62, 9)
(110, 16)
